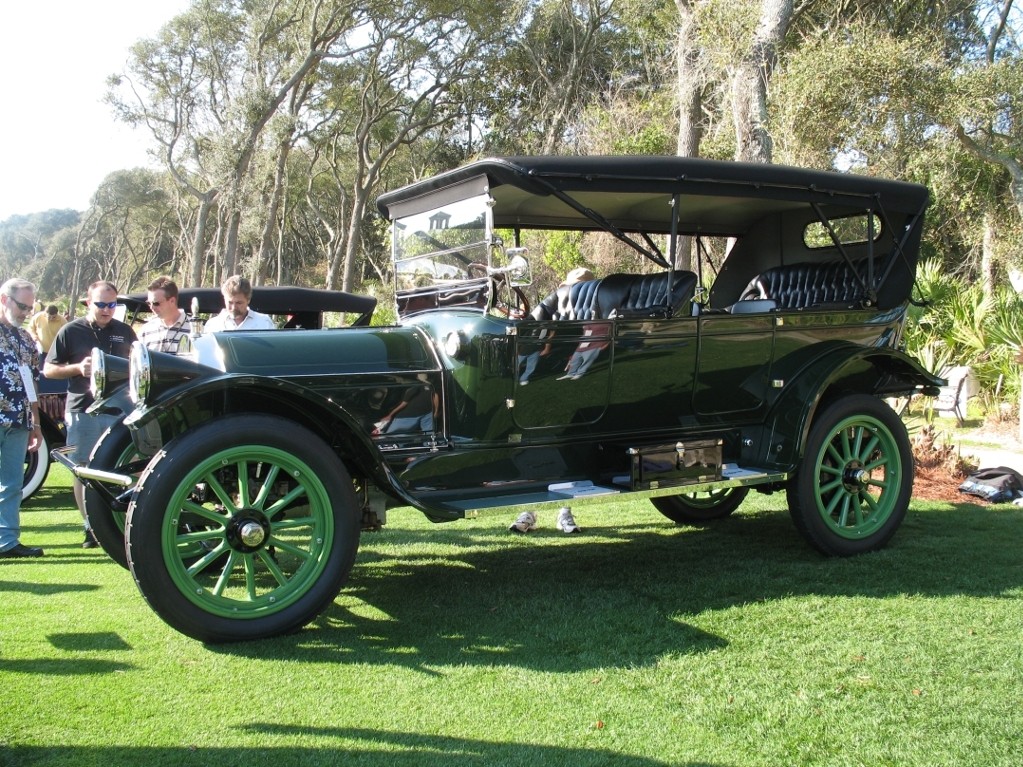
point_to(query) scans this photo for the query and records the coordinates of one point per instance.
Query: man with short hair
(71, 358)
(19, 411)
(237, 315)
(164, 331)
(43, 328)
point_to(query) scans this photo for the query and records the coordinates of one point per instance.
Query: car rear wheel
(37, 466)
(107, 506)
(852, 490)
(698, 508)
(272, 511)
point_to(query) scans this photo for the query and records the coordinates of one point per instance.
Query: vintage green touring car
(258, 457)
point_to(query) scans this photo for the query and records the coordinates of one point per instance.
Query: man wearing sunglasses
(164, 332)
(71, 358)
(19, 411)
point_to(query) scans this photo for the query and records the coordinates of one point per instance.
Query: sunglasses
(23, 307)
(154, 304)
(104, 304)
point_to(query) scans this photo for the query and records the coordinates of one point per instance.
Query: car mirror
(518, 266)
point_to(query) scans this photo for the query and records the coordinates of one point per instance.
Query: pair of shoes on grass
(526, 522)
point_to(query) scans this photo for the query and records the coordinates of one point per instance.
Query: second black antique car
(265, 454)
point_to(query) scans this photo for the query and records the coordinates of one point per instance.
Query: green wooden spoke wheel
(853, 486)
(243, 528)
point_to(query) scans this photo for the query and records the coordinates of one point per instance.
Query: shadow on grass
(45, 589)
(341, 746)
(61, 666)
(623, 596)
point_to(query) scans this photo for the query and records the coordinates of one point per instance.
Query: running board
(585, 492)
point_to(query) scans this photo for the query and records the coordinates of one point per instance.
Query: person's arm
(35, 439)
(59, 370)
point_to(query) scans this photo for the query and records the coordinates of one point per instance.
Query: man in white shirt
(236, 314)
(163, 333)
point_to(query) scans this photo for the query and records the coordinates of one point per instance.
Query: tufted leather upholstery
(800, 286)
(645, 295)
(569, 302)
(619, 295)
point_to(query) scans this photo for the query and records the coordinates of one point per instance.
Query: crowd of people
(62, 350)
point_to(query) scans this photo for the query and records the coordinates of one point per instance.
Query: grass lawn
(637, 644)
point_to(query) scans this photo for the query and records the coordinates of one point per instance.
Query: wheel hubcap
(248, 531)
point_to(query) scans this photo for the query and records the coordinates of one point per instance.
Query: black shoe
(90, 540)
(21, 552)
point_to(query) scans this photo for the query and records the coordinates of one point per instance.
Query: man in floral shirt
(19, 411)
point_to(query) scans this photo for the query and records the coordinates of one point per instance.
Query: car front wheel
(701, 507)
(242, 528)
(852, 489)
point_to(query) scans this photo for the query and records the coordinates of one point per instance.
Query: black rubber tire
(854, 483)
(272, 587)
(37, 466)
(695, 509)
(113, 452)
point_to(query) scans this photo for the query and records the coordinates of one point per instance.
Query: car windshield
(437, 245)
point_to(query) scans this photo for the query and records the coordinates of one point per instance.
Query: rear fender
(838, 370)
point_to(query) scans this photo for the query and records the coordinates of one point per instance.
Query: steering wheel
(482, 270)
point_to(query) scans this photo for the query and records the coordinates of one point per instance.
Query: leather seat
(804, 285)
(646, 295)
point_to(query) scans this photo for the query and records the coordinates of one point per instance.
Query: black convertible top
(634, 193)
(306, 304)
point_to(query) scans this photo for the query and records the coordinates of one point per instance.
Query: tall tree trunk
(749, 80)
(199, 244)
(690, 83)
(987, 255)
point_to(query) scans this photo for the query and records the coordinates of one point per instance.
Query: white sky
(58, 140)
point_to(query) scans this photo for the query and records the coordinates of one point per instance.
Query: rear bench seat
(620, 296)
(805, 285)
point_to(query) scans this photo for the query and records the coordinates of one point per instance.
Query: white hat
(579, 274)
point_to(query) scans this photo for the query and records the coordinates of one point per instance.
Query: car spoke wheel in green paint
(852, 489)
(113, 452)
(273, 510)
(697, 508)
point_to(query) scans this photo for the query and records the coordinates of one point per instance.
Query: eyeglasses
(23, 307)
(104, 304)
(154, 304)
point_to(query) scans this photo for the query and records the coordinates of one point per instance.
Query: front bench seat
(569, 302)
(630, 296)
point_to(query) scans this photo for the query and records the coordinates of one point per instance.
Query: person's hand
(35, 439)
(85, 366)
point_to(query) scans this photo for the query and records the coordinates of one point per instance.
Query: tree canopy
(276, 123)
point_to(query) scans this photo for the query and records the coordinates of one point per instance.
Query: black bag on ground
(996, 485)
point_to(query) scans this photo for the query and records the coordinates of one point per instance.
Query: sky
(58, 140)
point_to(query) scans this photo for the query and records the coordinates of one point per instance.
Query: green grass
(638, 643)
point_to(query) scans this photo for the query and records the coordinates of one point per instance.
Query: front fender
(839, 369)
(197, 401)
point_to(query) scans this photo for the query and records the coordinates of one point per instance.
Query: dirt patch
(935, 484)
(940, 468)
